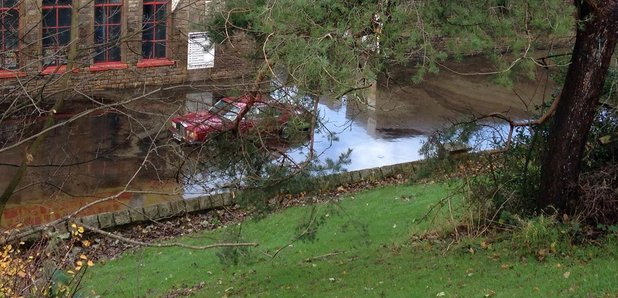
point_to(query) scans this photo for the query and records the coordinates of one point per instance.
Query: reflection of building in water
(333, 104)
(399, 108)
(198, 101)
(93, 157)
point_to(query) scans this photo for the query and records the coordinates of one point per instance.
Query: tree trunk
(594, 45)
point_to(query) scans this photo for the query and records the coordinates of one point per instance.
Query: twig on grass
(328, 255)
(172, 244)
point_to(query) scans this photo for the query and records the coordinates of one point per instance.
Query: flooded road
(104, 154)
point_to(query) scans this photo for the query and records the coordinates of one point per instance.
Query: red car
(223, 116)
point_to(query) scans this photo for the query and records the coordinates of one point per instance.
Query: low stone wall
(204, 203)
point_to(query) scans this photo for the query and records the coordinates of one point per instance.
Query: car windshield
(219, 106)
(230, 113)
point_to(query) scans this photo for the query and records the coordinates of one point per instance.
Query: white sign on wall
(201, 51)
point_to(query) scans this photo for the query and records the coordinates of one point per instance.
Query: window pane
(147, 49)
(11, 20)
(10, 60)
(114, 34)
(99, 54)
(49, 37)
(148, 13)
(99, 34)
(147, 34)
(64, 36)
(8, 3)
(160, 50)
(49, 2)
(161, 13)
(64, 17)
(160, 32)
(64, 2)
(48, 56)
(49, 17)
(114, 15)
(99, 15)
(114, 53)
(11, 41)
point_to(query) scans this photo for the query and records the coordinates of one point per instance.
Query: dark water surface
(99, 155)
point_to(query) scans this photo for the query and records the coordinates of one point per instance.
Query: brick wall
(229, 60)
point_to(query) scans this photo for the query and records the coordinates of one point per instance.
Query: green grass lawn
(360, 246)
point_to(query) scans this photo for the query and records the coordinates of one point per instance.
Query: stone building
(120, 43)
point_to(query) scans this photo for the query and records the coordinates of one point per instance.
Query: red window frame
(4, 50)
(108, 44)
(149, 29)
(57, 46)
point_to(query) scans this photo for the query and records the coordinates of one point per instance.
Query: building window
(154, 29)
(56, 31)
(107, 27)
(9, 36)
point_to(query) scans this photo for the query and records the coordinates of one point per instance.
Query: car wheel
(285, 132)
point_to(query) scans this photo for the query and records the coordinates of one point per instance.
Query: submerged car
(245, 112)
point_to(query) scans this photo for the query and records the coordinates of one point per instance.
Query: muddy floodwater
(99, 155)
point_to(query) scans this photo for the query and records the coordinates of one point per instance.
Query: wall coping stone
(207, 202)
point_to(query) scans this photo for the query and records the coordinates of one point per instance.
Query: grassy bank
(363, 245)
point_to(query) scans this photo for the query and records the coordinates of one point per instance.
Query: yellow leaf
(566, 274)
(21, 274)
(79, 263)
(80, 230)
(74, 226)
(83, 257)
(86, 243)
(70, 272)
(553, 247)
(78, 268)
(90, 263)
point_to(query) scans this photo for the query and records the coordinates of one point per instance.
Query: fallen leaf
(553, 247)
(441, 294)
(566, 274)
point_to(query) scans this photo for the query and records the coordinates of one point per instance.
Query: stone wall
(178, 208)
(187, 17)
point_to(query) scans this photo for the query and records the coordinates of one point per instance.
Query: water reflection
(370, 147)
(98, 155)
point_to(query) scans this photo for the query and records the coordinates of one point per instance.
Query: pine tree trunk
(594, 45)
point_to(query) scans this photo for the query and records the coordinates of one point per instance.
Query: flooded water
(110, 152)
